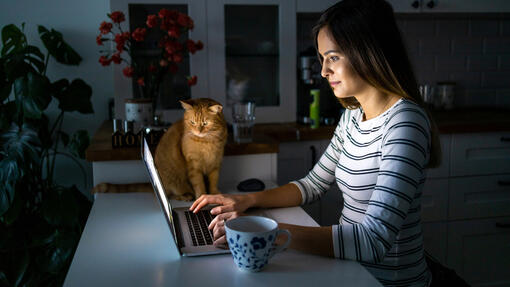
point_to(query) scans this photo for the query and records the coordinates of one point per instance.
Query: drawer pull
(504, 182)
(502, 225)
(505, 139)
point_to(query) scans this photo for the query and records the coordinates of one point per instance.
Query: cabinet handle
(416, 4)
(314, 156)
(502, 225)
(431, 4)
(504, 182)
(505, 139)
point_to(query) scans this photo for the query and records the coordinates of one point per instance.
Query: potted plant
(40, 221)
(170, 26)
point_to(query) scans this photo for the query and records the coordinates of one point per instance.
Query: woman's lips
(334, 83)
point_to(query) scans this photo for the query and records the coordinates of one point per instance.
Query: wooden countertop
(268, 136)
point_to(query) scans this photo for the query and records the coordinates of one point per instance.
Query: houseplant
(170, 26)
(40, 221)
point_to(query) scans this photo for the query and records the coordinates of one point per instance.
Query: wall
(472, 50)
(78, 21)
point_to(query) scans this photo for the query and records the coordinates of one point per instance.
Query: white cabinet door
(480, 153)
(399, 6)
(435, 239)
(443, 170)
(479, 197)
(295, 159)
(196, 9)
(252, 56)
(479, 250)
(465, 6)
(434, 200)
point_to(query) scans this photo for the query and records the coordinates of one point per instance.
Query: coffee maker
(309, 78)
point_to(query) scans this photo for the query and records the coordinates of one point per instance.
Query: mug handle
(281, 247)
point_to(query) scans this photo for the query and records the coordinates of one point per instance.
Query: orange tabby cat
(191, 149)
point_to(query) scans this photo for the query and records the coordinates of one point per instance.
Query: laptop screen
(157, 185)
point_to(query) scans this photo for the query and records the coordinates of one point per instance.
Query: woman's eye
(334, 58)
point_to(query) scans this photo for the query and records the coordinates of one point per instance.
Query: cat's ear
(216, 109)
(186, 105)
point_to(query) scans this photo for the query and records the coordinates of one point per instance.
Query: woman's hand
(218, 227)
(226, 202)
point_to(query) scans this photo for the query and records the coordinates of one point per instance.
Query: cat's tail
(120, 188)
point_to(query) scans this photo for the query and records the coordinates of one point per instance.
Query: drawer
(480, 153)
(480, 196)
(435, 239)
(434, 200)
(442, 170)
(479, 250)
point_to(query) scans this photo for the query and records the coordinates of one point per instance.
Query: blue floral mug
(251, 241)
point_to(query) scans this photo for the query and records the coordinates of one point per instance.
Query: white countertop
(126, 242)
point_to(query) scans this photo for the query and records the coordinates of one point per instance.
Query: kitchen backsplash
(472, 50)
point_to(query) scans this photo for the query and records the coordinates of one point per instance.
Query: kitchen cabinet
(479, 250)
(295, 160)
(420, 6)
(249, 55)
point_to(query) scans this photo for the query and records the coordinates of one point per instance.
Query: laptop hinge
(178, 230)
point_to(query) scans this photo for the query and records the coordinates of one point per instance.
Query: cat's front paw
(102, 188)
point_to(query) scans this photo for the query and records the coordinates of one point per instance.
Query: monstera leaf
(57, 47)
(13, 39)
(73, 97)
(33, 94)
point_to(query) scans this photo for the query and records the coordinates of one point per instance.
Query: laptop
(189, 230)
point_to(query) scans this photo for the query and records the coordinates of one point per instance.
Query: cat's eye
(204, 123)
(193, 122)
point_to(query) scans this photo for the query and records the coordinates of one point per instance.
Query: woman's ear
(187, 104)
(216, 109)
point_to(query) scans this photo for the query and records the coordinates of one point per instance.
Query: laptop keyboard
(198, 223)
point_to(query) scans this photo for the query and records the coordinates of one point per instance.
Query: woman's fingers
(205, 200)
(222, 209)
(219, 231)
(221, 242)
(218, 219)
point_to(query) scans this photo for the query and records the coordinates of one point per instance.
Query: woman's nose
(325, 71)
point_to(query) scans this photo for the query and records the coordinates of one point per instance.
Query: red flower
(128, 71)
(192, 81)
(99, 40)
(141, 82)
(190, 45)
(163, 13)
(177, 58)
(121, 39)
(163, 63)
(173, 68)
(105, 27)
(139, 34)
(152, 21)
(152, 68)
(174, 32)
(172, 47)
(185, 21)
(116, 58)
(117, 17)
(104, 61)
(199, 45)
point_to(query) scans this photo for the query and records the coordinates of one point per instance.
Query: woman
(377, 155)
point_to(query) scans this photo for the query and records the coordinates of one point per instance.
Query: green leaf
(15, 67)
(34, 92)
(74, 97)
(60, 207)
(79, 143)
(5, 84)
(65, 138)
(6, 196)
(59, 254)
(3, 279)
(13, 39)
(7, 113)
(14, 210)
(20, 263)
(20, 144)
(57, 47)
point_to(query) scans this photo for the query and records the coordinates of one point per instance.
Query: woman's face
(337, 69)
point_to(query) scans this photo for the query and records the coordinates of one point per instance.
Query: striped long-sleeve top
(378, 165)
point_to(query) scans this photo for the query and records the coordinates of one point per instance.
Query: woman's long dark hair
(367, 34)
